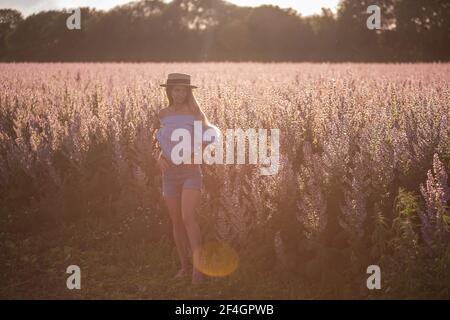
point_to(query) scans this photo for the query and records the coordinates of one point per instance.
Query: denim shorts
(176, 178)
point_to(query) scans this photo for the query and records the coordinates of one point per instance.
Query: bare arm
(158, 156)
(156, 125)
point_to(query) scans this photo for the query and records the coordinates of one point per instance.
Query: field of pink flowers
(365, 157)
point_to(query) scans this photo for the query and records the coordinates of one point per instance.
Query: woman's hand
(163, 164)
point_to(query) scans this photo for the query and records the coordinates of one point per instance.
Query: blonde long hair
(193, 105)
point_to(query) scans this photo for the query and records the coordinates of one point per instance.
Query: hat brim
(178, 84)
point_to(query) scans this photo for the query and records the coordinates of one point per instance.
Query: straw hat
(178, 79)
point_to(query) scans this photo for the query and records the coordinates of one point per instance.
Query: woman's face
(179, 94)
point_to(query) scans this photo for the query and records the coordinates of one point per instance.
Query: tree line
(215, 30)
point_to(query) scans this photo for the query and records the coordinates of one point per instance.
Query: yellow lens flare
(216, 259)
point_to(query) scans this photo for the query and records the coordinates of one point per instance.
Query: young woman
(181, 183)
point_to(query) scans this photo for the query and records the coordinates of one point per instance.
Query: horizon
(29, 7)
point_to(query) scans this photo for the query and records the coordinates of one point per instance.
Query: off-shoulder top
(171, 122)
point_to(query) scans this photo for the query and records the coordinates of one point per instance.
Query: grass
(113, 267)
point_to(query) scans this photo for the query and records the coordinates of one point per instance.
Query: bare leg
(179, 233)
(190, 198)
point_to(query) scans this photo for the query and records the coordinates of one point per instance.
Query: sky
(27, 7)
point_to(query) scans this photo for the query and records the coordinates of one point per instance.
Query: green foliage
(177, 31)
